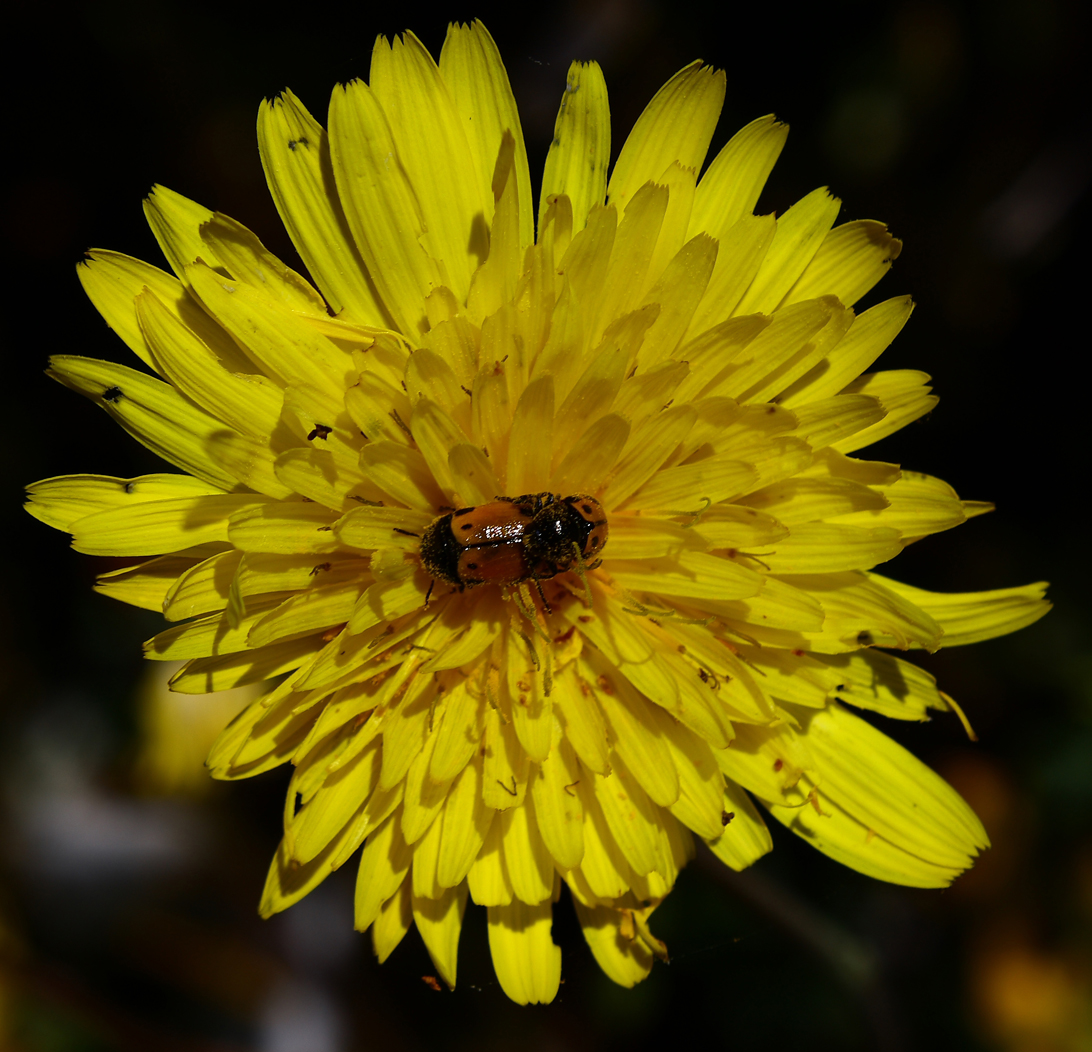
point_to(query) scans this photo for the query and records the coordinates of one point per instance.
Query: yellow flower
(696, 369)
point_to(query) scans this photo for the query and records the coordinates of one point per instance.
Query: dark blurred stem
(854, 963)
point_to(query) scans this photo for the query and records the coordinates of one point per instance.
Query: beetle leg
(542, 596)
(581, 569)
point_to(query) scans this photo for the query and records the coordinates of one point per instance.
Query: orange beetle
(514, 539)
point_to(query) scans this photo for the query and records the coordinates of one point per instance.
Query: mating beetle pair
(515, 539)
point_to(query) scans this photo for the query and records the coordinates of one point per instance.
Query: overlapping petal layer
(700, 370)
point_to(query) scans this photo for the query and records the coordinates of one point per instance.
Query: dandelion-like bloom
(694, 368)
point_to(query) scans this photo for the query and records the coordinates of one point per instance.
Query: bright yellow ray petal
(970, 617)
(625, 960)
(527, 962)
(474, 74)
(744, 838)
(729, 190)
(432, 150)
(295, 153)
(579, 155)
(800, 232)
(380, 206)
(384, 863)
(850, 260)
(675, 126)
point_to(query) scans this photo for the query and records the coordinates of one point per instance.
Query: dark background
(128, 917)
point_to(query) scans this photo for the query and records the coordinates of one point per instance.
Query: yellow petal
(869, 336)
(113, 282)
(744, 838)
(593, 455)
(407, 744)
(395, 919)
(632, 818)
(287, 881)
(148, 584)
(427, 130)
(874, 680)
(636, 735)
(245, 258)
(851, 259)
(247, 401)
(970, 617)
(819, 547)
(296, 157)
(579, 155)
(614, 634)
(326, 605)
(628, 275)
(675, 126)
(646, 452)
(384, 863)
(281, 528)
(458, 734)
(440, 923)
(474, 74)
(153, 412)
(402, 473)
(527, 962)
(904, 393)
(625, 960)
(800, 232)
(531, 708)
(466, 823)
(249, 460)
(527, 861)
(488, 879)
(206, 636)
(160, 526)
(531, 443)
(729, 189)
(558, 811)
(678, 292)
(62, 501)
(797, 339)
(843, 838)
(890, 790)
(176, 223)
(323, 476)
(505, 764)
(203, 675)
(603, 868)
(741, 250)
(335, 803)
(917, 505)
(279, 341)
(700, 783)
(582, 722)
(696, 574)
(380, 206)
(768, 761)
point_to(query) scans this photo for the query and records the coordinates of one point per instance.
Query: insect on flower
(515, 539)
